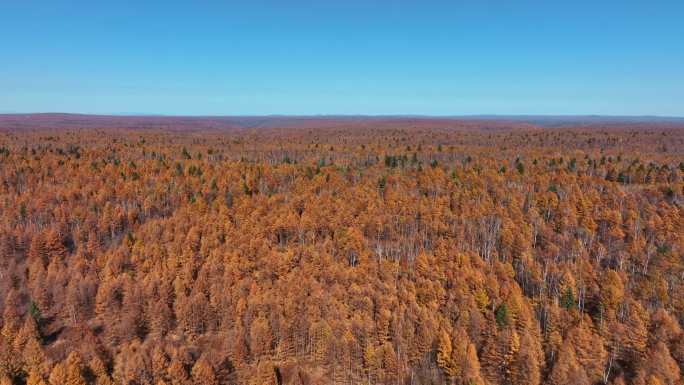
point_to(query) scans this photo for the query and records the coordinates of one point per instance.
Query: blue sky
(343, 57)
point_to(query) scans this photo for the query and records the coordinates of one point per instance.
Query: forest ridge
(341, 250)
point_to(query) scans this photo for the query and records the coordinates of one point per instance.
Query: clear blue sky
(343, 57)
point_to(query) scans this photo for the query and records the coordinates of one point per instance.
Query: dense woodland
(360, 252)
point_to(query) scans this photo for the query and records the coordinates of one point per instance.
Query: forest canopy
(342, 252)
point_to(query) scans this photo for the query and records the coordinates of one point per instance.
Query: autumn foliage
(364, 252)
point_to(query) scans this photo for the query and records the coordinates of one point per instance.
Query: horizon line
(331, 115)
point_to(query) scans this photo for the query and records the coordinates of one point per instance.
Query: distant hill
(77, 121)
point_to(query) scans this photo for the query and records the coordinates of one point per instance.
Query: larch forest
(401, 251)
